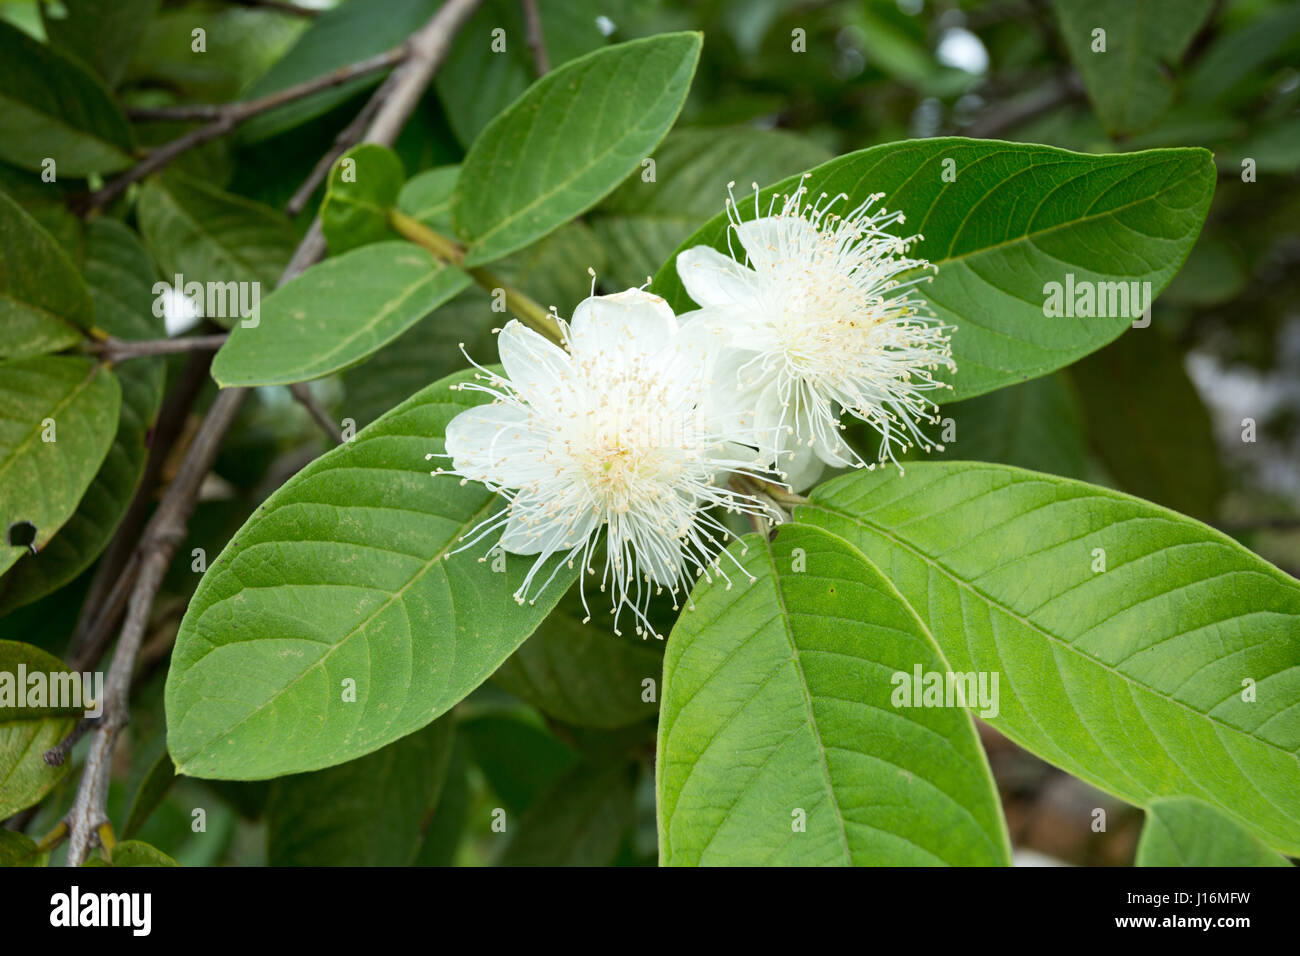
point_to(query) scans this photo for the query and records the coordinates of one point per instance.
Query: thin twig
(536, 37)
(101, 611)
(59, 753)
(349, 137)
(120, 350)
(226, 117)
(1020, 110)
(528, 310)
(88, 818)
(280, 6)
(302, 394)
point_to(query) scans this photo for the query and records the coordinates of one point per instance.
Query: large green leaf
(75, 402)
(1174, 671)
(367, 812)
(519, 757)
(337, 313)
(121, 276)
(347, 34)
(27, 732)
(209, 236)
(581, 673)
(477, 81)
(102, 33)
(54, 108)
(1016, 218)
(346, 572)
(780, 738)
(1129, 83)
(1182, 831)
(643, 222)
(427, 350)
(44, 304)
(1148, 424)
(579, 820)
(569, 141)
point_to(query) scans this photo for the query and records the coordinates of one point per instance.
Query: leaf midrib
(807, 698)
(419, 573)
(1036, 628)
(51, 413)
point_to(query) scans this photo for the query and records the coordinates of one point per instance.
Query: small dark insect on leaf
(22, 534)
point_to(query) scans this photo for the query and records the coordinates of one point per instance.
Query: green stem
(447, 250)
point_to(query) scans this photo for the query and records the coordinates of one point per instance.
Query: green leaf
(1130, 82)
(101, 33)
(363, 187)
(133, 853)
(157, 781)
(1036, 425)
(567, 142)
(367, 812)
(643, 222)
(337, 313)
(1148, 424)
(427, 350)
(477, 80)
(1182, 831)
(444, 829)
(75, 402)
(121, 281)
(54, 108)
(579, 821)
(1017, 217)
(582, 674)
(426, 197)
(363, 537)
(18, 849)
(520, 759)
(44, 304)
(347, 34)
(209, 236)
(26, 732)
(1131, 678)
(782, 739)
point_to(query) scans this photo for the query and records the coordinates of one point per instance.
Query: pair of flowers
(640, 419)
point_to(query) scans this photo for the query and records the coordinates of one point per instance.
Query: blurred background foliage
(781, 86)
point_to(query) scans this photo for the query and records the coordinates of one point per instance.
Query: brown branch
(105, 602)
(120, 350)
(349, 137)
(226, 117)
(1016, 112)
(303, 396)
(536, 37)
(88, 818)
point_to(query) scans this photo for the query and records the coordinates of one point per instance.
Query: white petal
(538, 369)
(620, 327)
(714, 280)
(774, 237)
(802, 469)
(494, 443)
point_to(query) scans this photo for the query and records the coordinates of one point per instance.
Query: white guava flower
(609, 432)
(819, 317)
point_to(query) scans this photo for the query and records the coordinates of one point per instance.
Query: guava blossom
(820, 317)
(605, 432)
